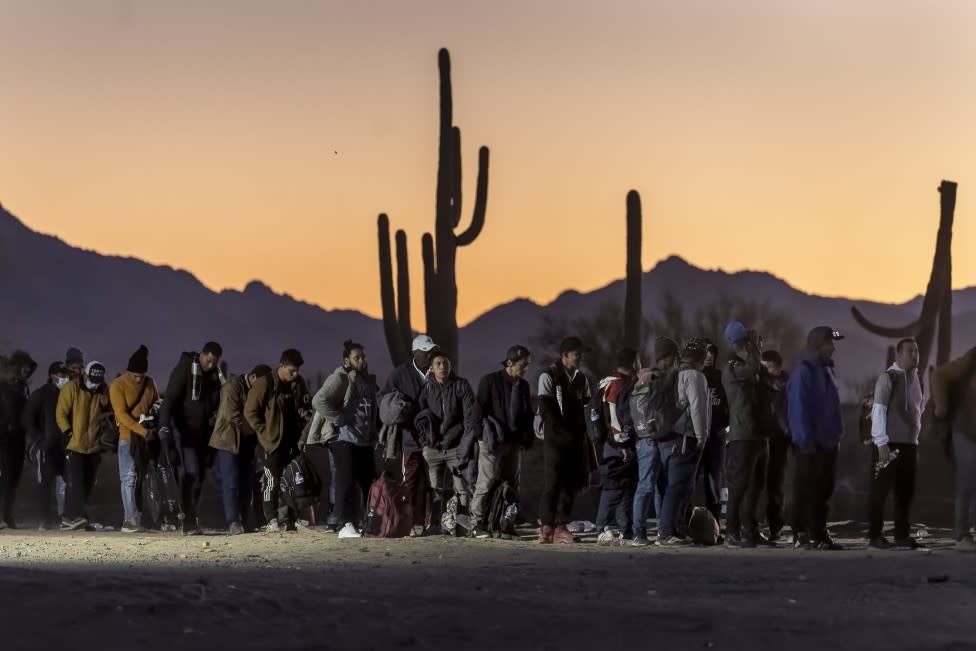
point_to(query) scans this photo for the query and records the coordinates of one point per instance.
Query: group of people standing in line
(685, 419)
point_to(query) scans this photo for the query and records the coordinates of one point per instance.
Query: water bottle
(299, 478)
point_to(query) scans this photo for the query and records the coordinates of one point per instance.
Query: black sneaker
(802, 541)
(880, 542)
(908, 543)
(828, 544)
(732, 540)
(763, 541)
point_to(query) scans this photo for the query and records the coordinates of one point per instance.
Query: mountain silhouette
(53, 295)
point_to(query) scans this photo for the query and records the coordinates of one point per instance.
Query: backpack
(300, 484)
(597, 418)
(654, 406)
(389, 512)
(502, 511)
(161, 497)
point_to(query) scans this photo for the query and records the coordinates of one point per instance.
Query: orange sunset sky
(241, 139)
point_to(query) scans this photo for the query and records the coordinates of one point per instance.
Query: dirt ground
(310, 590)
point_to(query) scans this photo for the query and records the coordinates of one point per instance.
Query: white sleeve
(546, 386)
(879, 412)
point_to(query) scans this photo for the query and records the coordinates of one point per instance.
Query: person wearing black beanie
(133, 394)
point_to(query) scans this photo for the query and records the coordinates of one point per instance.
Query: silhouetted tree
(440, 249)
(937, 304)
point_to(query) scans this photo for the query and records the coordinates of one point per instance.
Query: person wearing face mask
(133, 394)
(448, 412)
(564, 392)
(82, 404)
(346, 421)
(275, 408)
(13, 399)
(506, 412)
(45, 445)
(186, 420)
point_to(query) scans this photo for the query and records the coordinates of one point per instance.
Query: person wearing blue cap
(816, 427)
(746, 447)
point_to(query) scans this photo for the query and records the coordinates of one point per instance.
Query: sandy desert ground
(310, 590)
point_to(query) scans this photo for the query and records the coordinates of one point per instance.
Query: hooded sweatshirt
(345, 409)
(191, 401)
(896, 416)
(815, 417)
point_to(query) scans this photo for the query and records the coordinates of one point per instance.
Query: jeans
(648, 471)
(439, 461)
(678, 455)
(234, 478)
(494, 468)
(964, 458)
(127, 482)
(899, 474)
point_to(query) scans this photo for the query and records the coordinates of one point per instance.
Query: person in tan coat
(236, 443)
(276, 408)
(954, 395)
(132, 394)
(82, 414)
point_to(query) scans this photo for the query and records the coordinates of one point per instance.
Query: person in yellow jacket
(82, 411)
(133, 394)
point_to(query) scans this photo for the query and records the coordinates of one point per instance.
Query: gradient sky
(241, 139)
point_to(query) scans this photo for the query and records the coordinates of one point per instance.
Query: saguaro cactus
(440, 249)
(396, 308)
(937, 304)
(632, 297)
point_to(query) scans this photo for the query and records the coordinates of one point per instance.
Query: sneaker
(166, 527)
(967, 544)
(763, 541)
(273, 527)
(732, 540)
(479, 532)
(802, 541)
(72, 524)
(131, 528)
(561, 535)
(606, 538)
(640, 541)
(235, 529)
(828, 544)
(880, 542)
(908, 543)
(671, 541)
(546, 534)
(415, 532)
(774, 534)
(3, 525)
(349, 531)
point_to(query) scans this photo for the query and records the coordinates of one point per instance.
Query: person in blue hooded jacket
(816, 427)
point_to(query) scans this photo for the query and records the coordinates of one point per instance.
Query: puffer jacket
(454, 406)
(85, 414)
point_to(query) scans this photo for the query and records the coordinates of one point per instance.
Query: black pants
(274, 466)
(12, 450)
(322, 460)
(195, 461)
(746, 474)
(713, 465)
(52, 467)
(813, 485)
(560, 480)
(80, 471)
(779, 452)
(900, 473)
(416, 479)
(355, 473)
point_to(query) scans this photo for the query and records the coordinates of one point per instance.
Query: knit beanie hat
(139, 362)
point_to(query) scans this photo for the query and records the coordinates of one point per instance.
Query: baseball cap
(95, 371)
(736, 332)
(821, 335)
(423, 343)
(572, 344)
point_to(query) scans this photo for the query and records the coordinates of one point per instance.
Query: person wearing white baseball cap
(409, 380)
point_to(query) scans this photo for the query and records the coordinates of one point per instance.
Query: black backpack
(597, 418)
(502, 511)
(654, 406)
(300, 484)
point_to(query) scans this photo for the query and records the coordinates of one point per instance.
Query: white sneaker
(131, 528)
(349, 531)
(273, 527)
(607, 538)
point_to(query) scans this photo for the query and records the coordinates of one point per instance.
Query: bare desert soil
(310, 590)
